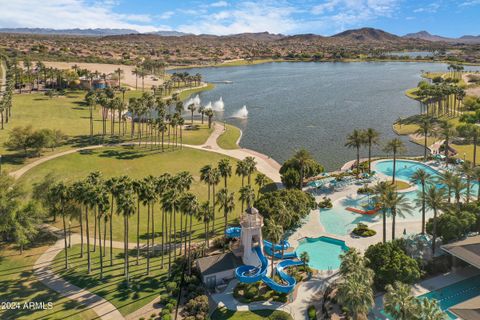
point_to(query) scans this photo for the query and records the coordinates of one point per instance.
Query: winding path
(102, 307)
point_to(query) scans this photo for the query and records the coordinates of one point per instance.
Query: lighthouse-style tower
(251, 235)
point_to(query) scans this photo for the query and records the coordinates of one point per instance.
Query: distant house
(217, 269)
(467, 250)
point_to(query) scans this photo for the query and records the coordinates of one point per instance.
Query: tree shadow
(121, 155)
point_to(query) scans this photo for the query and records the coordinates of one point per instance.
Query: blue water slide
(233, 232)
(282, 245)
(251, 274)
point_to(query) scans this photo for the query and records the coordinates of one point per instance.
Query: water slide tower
(251, 235)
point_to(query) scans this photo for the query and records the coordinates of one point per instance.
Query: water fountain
(218, 105)
(241, 114)
(209, 106)
(195, 101)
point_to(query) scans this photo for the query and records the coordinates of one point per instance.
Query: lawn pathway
(104, 309)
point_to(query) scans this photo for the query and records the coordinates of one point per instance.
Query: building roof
(218, 263)
(467, 250)
(468, 310)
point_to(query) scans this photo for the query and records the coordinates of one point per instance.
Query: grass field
(142, 290)
(228, 139)
(401, 185)
(71, 116)
(224, 314)
(138, 162)
(18, 284)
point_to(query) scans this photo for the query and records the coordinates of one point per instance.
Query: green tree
(426, 125)
(226, 201)
(398, 204)
(273, 232)
(355, 140)
(260, 181)
(372, 137)
(394, 146)
(189, 204)
(430, 310)
(452, 226)
(420, 176)
(381, 189)
(399, 302)
(390, 263)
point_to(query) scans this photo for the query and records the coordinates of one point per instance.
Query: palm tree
(171, 205)
(399, 302)
(225, 170)
(394, 146)
(467, 170)
(446, 178)
(355, 140)
(247, 194)
(305, 258)
(425, 129)
(60, 195)
(260, 181)
(226, 201)
(355, 293)
(434, 199)
(126, 207)
(430, 310)
(251, 166)
(476, 175)
(446, 131)
(192, 109)
(398, 204)
(381, 189)
(302, 156)
(215, 180)
(209, 114)
(423, 178)
(371, 136)
(189, 204)
(139, 187)
(458, 186)
(273, 232)
(102, 206)
(205, 215)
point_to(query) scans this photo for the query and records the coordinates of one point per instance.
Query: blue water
(339, 221)
(456, 293)
(324, 252)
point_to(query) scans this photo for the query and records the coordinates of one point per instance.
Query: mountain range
(362, 34)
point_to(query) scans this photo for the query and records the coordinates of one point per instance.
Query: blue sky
(444, 17)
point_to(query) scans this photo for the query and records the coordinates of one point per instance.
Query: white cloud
(431, 8)
(67, 14)
(219, 4)
(166, 15)
(470, 3)
(245, 17)
(341, 14)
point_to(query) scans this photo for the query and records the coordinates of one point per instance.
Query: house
(217, 269)
(467, 250)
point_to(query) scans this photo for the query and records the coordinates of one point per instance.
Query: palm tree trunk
(95, 230)
(100, 247)
(88, 241)
(104, 235)
(384, 214)
(138, 229)
(81, 235)
(170, 243)
(148, 241)
(111, 231)
(164, 231)
(65, 240)
(394, 216)
(423, 208)
(153, 229)
(369, 156)
(190, 246)
(174, 234)
(394, 166)
(434, 233)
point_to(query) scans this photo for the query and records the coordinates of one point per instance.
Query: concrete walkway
(42, 270)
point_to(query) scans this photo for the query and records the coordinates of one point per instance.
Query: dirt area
(471, 91)
(127, 78)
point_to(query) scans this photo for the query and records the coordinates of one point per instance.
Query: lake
(294, 105)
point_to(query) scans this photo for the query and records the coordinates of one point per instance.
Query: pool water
(324, 252)
(454, 294)
(339, 221)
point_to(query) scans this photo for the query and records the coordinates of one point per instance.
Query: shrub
(171, 286)
(197, 307)
(312, 313)
(364, 190)
(251, 292)
(362, 230)
(166, 317)
(170, 307)
(325, 203)
(279, 315)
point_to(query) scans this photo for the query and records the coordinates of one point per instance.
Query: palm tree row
(363, 138)
(440, 99)
(168, 203)
(6, 94)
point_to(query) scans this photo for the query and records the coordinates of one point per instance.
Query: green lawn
(141, 291)
(228, 139)
(138, 162)
(18, 284)
(71, 116)
(223, 314)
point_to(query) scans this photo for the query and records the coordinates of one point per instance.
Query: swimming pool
(324, 252)
(455, 293)
(340, 221)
